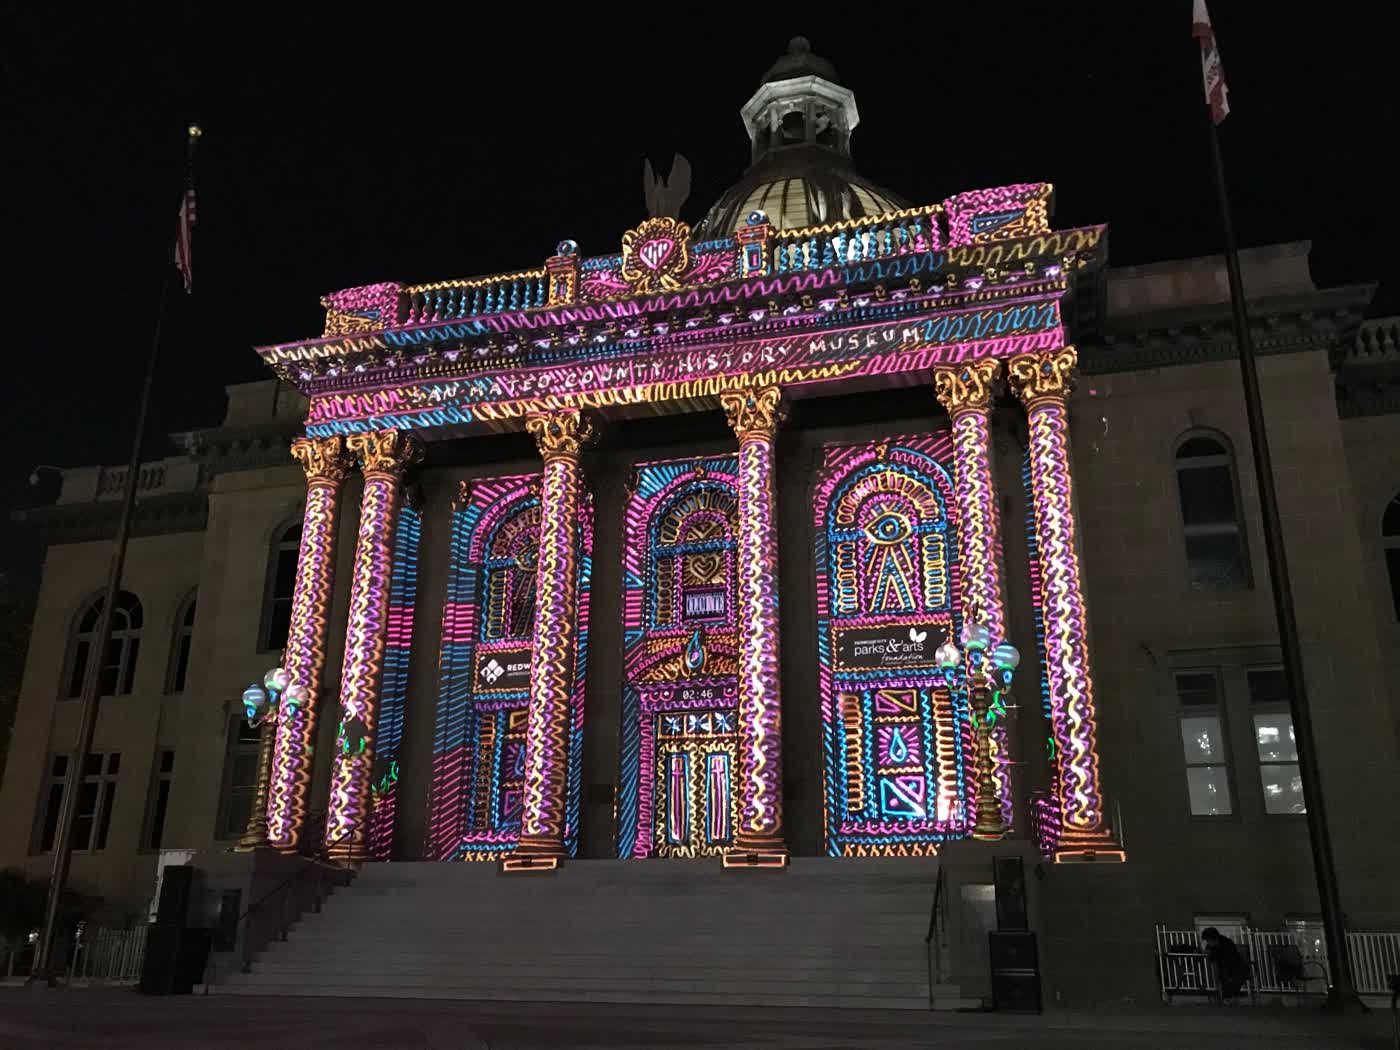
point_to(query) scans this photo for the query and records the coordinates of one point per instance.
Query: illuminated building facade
(724, 543)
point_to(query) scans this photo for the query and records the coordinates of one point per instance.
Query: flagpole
(45, 967)
(1341, 991)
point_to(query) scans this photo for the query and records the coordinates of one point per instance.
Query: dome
(799, 123)
(806, 186)
(800, 62)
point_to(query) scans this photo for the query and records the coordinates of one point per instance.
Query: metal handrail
(935, 910)
(318, 858)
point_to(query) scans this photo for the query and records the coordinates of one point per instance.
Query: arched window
(180, 646)
(1210, 517)
(118, 669)
(281, 583)
(1390, 540)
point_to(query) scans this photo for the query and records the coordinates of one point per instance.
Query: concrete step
(823, 933)
(614, 973)
(516, 993)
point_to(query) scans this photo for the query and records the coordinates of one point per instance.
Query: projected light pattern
(897, 740)
(966, 394)
(676, 794)
(326, 464)
(487, 636)
(398, 645)
(754, 414)
(1042, 381)
(552, 724)
(384, 457)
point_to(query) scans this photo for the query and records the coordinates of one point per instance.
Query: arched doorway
(678, 764)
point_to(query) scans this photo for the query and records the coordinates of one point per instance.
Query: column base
(740, 857)
(348, 853)
(531, 862)
(1089, 847)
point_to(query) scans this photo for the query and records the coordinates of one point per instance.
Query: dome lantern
(800, 102)
(799, 123)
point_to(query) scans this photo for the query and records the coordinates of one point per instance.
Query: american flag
(183, 233)
(1212, 69)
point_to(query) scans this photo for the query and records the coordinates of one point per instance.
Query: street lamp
(984, 670)
(260, 705)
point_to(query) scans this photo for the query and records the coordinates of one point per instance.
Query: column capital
(966, 387)
(323, 459)
(753, 411)
(561, 434)
(1044, 375)
(385, 452)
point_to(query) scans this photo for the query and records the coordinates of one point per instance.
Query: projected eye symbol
(917, 636)
(889, 528)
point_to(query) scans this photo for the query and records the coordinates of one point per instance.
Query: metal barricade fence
(108, 955)
(1182, 967)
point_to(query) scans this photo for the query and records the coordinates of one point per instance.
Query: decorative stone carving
(1043, 375)
(323, 459)
(385, 452)
(968, 386)
(753, 411)
(564, 433)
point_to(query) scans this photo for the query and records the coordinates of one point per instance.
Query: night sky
(419, 144)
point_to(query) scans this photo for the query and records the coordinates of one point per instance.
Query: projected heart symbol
(655, 252)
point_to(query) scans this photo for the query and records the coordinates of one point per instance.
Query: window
(240, 778)
(1273, 737)
(281, 583)
(96, 796)
(1203, 744)
(1231, 925)
(180, 648)
(1390, 541)
(118, 670)
(1210, 519)
(158, 802)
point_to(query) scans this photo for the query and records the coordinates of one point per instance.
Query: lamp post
(34, 474)
(260, 706)
(984, 671)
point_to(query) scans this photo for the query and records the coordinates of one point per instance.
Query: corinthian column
(754, 415)
(1043, 380)
(384, 458)
(560, 437)
(965, 392)
(326, 464)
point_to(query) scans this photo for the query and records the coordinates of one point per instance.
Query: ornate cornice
(385, 452)
(1326, 320)
(562, 434)
(967, 387)
(1047, 375)
(97, 520)
(325, 460)
(753, 412)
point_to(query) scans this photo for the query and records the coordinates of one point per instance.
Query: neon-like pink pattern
(760, 702)
(1066, 628)
(365, 637)
(305, 661)
(898, 749)
(552, 674)
(980, 550)
(398, 648)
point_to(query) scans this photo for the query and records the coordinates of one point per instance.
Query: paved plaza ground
(32, 1018)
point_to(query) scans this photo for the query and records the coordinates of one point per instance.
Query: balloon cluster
(260, 701)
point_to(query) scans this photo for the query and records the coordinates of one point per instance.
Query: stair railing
(933, 939)
(319, 860)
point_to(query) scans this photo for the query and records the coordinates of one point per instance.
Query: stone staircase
(830, 933)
